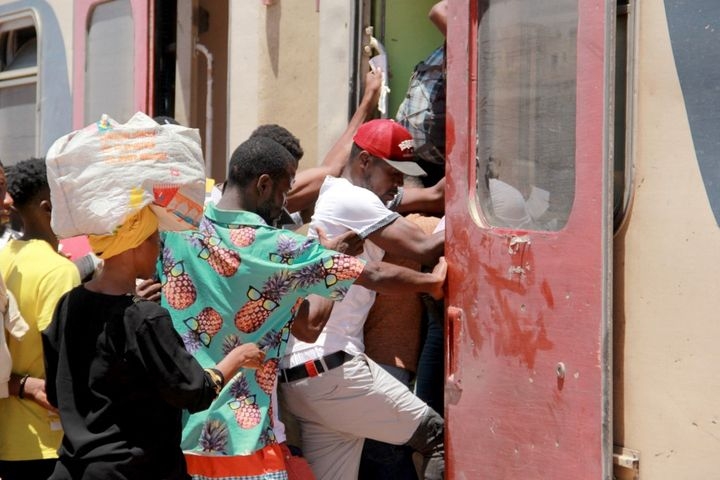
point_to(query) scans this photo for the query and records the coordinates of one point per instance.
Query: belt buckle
(311, 369)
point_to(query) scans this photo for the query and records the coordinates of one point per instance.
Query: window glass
(18, 88)
(17, 123)
(526, 112)
(109, 62)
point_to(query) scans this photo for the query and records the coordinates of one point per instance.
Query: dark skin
(266, 197)
(118, 275)
(35, 215)
(7, 201)
(380, 276)
(304, 192)
(401, 237)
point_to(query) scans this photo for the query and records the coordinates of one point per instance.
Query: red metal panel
(526, 394)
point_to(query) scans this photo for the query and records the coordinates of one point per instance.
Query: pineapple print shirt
(238, 280)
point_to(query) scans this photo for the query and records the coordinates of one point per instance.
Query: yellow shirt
(37, 276)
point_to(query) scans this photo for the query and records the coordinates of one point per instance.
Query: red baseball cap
(390, 141)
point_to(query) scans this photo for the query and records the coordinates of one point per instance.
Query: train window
(109, 62)
(526, 112)
(18, 88)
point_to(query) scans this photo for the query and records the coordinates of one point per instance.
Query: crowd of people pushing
(178, 356)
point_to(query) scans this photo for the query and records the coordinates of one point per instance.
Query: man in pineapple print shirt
(338, 409)
(238, 280)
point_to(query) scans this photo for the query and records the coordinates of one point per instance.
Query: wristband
(21, 390)
(216, 378)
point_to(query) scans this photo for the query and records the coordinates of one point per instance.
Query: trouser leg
(385, 461)
(429, 386)
(428, 440)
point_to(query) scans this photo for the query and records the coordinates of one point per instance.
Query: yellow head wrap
(135, 230)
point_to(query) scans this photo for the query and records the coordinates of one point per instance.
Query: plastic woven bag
(106, 171)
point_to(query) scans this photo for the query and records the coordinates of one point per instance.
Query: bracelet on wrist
(216, 378)
(21, 389)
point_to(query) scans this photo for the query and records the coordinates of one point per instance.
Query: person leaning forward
(338, 395)
(241, 280)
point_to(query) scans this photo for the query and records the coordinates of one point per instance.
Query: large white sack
(104, 172)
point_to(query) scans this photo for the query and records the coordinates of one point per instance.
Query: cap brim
(408, 168)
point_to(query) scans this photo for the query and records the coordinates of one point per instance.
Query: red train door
(528, 239)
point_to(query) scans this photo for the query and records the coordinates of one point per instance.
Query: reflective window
(526, 112)
(18, 88)
(109, 62)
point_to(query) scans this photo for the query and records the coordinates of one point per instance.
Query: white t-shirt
(341, 207)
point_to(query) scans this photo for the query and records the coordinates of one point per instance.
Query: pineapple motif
(247, 412)
(308, 276)
(223, 260)
(191, 341)
(265, 375)
(261, 304)
(205, 325)
(243, 236)
(177, 288)
(214, 437)
(254, 313)
(287, 250)
(230, 342)
(268, 436)
(271, 340)
(341, 267)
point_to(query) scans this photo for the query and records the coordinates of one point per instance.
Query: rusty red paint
(527, 308)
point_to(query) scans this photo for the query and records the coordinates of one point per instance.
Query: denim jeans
(430, 382)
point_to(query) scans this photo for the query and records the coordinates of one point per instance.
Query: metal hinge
(626, 463)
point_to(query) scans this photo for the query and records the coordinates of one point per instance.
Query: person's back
(117, 423)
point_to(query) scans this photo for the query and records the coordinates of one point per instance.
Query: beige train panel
(289, 65)
(666, 302)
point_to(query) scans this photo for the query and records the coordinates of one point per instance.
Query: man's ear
(46, 206)
(364, 159)
(264, 185)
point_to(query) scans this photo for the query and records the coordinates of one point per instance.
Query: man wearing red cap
(349, 397)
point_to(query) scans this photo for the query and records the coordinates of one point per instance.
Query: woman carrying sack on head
(118, 372)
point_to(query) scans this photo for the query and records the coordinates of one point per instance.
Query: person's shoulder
(148, 309)
(146, 313)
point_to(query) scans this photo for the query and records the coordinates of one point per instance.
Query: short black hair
(257, 156)
(165, 120)
(26, 180)
(282, 136)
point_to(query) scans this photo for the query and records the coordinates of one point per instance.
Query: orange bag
(297, 467)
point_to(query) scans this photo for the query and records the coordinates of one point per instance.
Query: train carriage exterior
(582, 201)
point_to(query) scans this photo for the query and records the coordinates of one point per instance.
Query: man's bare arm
(311, 318)
(430, 200)
(307, 182)
(393, 279)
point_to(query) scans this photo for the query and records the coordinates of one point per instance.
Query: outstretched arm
(429, 200)
(307, 182)
(393, 279)
(438, 16)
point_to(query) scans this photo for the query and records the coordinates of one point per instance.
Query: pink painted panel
(82, 15)
(526, 361)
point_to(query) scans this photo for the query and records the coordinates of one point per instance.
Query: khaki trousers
(338, 409)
